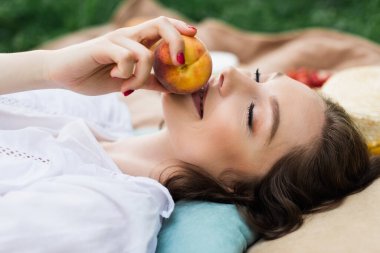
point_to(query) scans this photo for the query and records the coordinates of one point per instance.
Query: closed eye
(250, 116)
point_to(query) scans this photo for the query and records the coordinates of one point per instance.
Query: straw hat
(358, 91)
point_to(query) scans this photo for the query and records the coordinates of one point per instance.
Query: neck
(141, 155)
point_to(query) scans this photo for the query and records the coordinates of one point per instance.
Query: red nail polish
(181, 58)
(128, 92)
(192, 27)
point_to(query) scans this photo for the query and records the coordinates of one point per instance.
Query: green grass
(358, 17)
(26, 23)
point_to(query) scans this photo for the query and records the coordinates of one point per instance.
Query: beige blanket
(353, 227)
(313, 48)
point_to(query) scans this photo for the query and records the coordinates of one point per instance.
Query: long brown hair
(308, 179)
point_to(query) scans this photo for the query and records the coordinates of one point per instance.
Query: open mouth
(199, 99)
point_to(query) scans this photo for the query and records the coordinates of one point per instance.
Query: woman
(265, 142)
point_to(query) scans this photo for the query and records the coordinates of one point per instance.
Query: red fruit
(311, 78)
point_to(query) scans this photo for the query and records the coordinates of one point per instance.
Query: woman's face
(246, 125)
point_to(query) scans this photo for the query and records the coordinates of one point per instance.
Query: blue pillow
(197, 226)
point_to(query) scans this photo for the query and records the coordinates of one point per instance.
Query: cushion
(197, 226)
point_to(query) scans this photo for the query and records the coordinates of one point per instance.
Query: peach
(186, 78)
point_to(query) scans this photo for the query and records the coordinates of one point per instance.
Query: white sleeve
(53, 108)
(83, 214)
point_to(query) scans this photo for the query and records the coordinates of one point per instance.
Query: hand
(117, 61)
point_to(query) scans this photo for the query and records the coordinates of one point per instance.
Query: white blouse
(59, 190)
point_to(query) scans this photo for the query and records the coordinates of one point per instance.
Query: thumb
(153, 84)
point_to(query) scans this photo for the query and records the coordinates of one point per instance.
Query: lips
(199, 99)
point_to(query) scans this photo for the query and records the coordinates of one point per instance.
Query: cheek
(222, 137)
(215, 146)
(215, 142)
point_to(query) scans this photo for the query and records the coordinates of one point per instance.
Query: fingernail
(192, 27)
(128, 92)
(180, 58)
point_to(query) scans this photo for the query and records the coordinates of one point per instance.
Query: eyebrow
(275, 117)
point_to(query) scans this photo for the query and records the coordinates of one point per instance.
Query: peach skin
(188, 77)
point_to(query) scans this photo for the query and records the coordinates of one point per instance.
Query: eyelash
(250, 115)
(252, 105)
(257, 75)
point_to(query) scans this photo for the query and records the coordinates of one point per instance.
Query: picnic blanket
(314, 48)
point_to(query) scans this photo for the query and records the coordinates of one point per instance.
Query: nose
(233, 80)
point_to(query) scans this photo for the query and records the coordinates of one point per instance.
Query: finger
(124, 65)
(168, 29)
(143, 64)
(153, 84)
(114, 54)
(182, 27)
(149, 43)
(123, 73)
